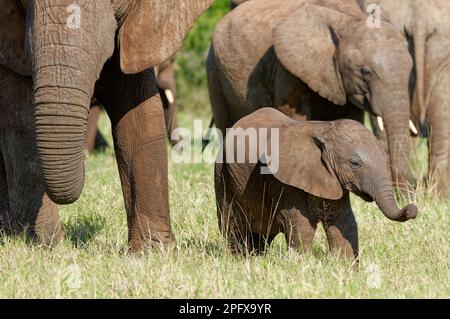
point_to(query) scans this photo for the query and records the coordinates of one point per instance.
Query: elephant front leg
(299, 229)
(439, 142)
(30, 208)
(139, 138)
(342, 233)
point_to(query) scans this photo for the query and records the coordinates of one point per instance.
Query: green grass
(412, 259)
(397, 260)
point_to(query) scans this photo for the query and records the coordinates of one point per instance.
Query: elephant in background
(165, 77)
(319, 163)
(105, 50)
(426, 26)
(315, 60)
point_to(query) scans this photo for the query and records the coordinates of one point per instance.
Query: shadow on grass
(82, 229)
(210, 248)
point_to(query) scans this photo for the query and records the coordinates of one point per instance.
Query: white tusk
(380, 123)
(169, 96)
(412, 127)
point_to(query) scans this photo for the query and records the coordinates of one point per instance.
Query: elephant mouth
(366, 197)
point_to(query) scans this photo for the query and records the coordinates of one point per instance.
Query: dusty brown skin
(426, 26)
(316, 60)
(319, 164)
(110, 58)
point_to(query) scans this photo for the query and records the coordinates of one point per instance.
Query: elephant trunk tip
(66, 195)
(65, 200)
(410, 211)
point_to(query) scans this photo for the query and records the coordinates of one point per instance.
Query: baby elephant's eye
(366, 72)
(355, 163)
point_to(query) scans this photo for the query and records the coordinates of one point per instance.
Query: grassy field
(397, 260)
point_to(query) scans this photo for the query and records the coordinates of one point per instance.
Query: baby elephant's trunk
(386, 202)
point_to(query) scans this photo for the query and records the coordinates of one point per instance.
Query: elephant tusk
(169, 96)
(380, 123)
(412, 127)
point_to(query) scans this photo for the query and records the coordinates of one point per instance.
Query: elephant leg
(139, 141)
(299, 229)
(170, 113)
(438, 116)
(218, 101)
(94, 114)
(4, 197)
(342, 233)
(31, 210)
(259, 243)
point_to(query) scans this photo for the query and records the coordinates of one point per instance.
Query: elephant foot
(47, 228)
(146, 239)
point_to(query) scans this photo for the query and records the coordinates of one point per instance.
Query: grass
(409, 260)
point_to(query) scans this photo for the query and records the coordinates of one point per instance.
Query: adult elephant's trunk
(61, 129)
(68, 57)
(396, 122)
(384, 197)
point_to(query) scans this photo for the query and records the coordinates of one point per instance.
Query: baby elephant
(294, 175)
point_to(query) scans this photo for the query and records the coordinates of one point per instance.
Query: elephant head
(326, 158)
(334, 51)
(69, 44)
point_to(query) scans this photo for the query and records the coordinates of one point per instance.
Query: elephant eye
(366, 72)
(355, 163)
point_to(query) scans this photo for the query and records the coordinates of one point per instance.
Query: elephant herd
(308, 60)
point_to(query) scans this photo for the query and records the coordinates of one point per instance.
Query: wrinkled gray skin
(426, 26)
(109, 57)
(319, 164)
(264, 53)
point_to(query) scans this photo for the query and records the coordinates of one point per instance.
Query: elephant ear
(154, 30)
(305, 43)
(12, 37)
(303, 164)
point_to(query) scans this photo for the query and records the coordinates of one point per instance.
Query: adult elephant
(165, 79)
(426, 26)
(316, 60)
(106, 50)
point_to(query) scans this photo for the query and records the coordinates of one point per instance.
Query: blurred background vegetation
(190, 61)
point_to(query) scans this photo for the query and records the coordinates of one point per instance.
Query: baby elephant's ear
(302, 165)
